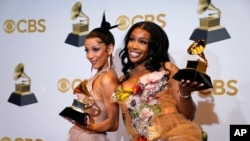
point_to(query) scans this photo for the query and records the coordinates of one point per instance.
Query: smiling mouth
(93, 62)
(134, 54)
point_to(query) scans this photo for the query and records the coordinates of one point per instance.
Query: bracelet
(184, 96)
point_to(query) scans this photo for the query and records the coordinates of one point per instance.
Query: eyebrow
(96, 45)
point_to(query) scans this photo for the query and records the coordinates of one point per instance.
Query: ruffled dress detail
(149, 111)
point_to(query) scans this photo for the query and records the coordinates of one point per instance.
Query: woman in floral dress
(155, 107)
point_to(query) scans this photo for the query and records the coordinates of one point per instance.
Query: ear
(110, 49)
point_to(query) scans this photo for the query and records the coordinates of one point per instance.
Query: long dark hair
(157, 48)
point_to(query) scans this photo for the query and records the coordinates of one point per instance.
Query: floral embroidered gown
(149, 111)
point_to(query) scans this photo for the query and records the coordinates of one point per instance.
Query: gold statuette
(22, 94)
(77, 112)
(196, 69)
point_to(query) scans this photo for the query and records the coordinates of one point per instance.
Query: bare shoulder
(109, 77)
(171, 67)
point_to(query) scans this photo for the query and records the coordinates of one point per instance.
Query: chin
(134, 60)
(95, 67)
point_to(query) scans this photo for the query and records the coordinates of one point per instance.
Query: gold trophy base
(22, 99)
(195, 71)
(74, 115)
(80, 28)
(78, 35)
(209, 22)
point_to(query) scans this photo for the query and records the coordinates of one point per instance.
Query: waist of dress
(94, 132)
(87, 131)
(169, 111)
(143, 138)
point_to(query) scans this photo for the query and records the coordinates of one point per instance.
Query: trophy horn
(77, 11)
(204, 5)
(197, 48)
(19, 72)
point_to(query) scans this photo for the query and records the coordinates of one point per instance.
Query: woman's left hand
(186, 86)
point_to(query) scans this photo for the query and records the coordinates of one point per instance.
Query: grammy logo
(22, 95)
(78, 111)
(196, 69)
(209, 28)
(80, 29)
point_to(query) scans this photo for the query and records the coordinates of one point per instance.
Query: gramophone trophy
(196, 70)
(209, 28)
(80, 29)
(22, 95)
(78, 111)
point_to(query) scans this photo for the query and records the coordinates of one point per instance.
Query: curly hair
(157, 48)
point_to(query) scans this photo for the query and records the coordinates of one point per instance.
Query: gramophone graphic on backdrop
(22, 95)
(80, 28)
(210, 28)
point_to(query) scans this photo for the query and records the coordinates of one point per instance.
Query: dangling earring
(91, 71)
(110, 60)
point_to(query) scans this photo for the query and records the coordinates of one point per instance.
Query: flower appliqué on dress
(141, 99)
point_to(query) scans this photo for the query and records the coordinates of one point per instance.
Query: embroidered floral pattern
(141, 100)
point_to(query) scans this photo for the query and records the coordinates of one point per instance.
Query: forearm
(111, 122)
(104, 126)
(186, 106)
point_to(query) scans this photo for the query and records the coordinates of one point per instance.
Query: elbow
(191, 117)
(114, 126)
(191, 114)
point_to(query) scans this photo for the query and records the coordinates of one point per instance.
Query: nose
(134, 44)
(89, 55)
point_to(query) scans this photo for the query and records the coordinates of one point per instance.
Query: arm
(179, 90)
(108, 85)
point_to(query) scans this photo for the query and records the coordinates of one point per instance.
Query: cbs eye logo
(64, 85)
(125, 22)
(24, 26)
(19, 139)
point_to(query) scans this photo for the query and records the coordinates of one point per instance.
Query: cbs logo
(19, 139)
(125, 22)
(64, 85)
(221, 87)
(24, 26)
(225, 87)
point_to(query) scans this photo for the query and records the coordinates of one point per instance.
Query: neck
(104, 67)
(140, 66)
(139, 70)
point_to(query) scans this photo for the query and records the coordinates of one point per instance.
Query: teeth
(134, 54)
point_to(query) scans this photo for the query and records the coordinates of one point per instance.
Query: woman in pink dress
(104, 114)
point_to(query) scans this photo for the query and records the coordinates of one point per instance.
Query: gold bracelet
(184, 96)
